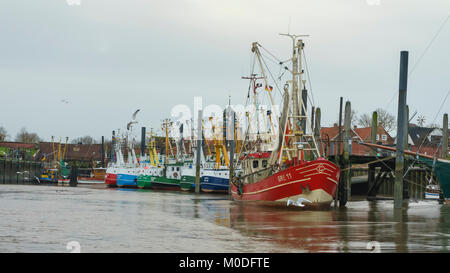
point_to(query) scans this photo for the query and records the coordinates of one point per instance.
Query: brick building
(330, 136)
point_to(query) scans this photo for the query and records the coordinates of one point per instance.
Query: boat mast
(255, 85)
(299, 112)
(165, 127)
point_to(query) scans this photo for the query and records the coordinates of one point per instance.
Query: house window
(378, 137)
(384, 137)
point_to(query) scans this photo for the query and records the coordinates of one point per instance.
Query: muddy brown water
(50, 218)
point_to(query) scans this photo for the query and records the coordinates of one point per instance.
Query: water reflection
(42, 218)
(420, 227)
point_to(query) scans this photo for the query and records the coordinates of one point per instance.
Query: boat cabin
(254, 164)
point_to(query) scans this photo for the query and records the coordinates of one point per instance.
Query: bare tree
(384, 118)
(84, 140)
(27, 137)
(3, 134)
(353, 118)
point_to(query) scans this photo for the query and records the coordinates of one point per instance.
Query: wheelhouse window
(264, 163)
(255, 163)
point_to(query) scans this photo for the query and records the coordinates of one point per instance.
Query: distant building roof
(19, 145)
(81, 152)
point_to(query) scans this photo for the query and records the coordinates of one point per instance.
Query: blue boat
(126, 180)
(217, 180)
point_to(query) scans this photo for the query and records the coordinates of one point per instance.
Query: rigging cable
(309, 79)
(421, 56)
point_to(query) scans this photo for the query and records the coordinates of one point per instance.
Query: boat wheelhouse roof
(256, 155)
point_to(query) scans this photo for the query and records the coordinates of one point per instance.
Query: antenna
(289, 24)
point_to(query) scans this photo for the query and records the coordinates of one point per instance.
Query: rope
(375, 161)
(309, 79)
(393, 171)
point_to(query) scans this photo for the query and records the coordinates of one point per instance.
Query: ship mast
(255, 86)
(165, 127)
(299, 114)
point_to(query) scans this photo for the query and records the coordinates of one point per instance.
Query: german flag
(269, 88)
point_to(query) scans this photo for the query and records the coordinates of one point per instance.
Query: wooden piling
(232, 150)
(347, 143)
(371, 170)
(198, 150)
(103, 151)
(401, 128)
(142, 141)
(338, 148)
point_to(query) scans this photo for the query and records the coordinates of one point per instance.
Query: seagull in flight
(133, 119)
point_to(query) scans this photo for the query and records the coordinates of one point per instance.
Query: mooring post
(373, 136)
(142, 142)
(406, 190)
(373, 140)
(113, 143)
(347, 143)
(401, 131)
(338, 148)
(198, 150)
(444, 151)
(103, 151)
(232, 148)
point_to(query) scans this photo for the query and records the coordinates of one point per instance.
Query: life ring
(175, 175)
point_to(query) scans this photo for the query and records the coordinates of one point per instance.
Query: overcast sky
(108, 58)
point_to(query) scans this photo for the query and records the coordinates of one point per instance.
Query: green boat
(144, 181)
(187, 182)
(148, 173)
(170, 178)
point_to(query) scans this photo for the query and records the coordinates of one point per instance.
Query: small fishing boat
(170, 178)
(113, 168)
(111, 176)
(441, 169)
(187, 182)
(152, 169)
(49, 176)
(91, 176)
(215, 180)
(432, 191)
(127, 175)
(147, 175)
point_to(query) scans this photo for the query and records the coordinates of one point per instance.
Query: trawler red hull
(315, 180)
(111, 179)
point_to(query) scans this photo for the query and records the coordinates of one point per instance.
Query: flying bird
(133, 119)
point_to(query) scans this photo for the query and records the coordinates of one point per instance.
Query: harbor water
(51, 218)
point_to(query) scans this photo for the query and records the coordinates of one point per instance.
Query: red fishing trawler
(292, 172)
